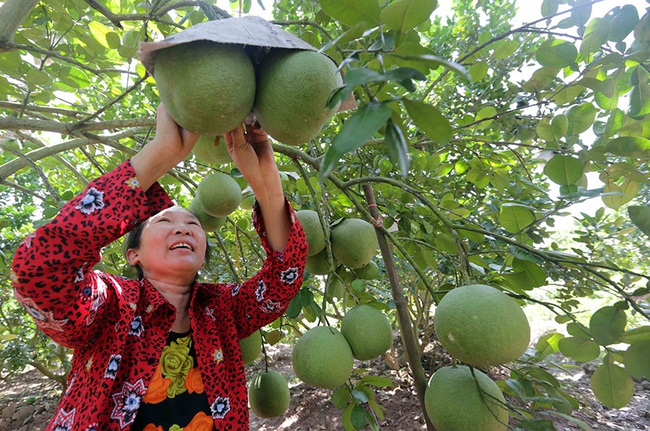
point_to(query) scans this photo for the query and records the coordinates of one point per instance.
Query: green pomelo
(367, 331)
(219, 194)
(322, 358)
(247, 202)
(293, 88)
(481, 325)
(368, 272)
(268, 394)
(318, 264)
(208, 223)
(313, 231)
(207, 87)
(212, 149)
(454, 402)
(354, 242)
(251, 347)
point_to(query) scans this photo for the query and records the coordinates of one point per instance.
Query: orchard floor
(311, 408)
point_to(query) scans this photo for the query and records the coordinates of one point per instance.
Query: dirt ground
(28, 401)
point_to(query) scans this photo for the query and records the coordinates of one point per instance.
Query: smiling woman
(160, 352)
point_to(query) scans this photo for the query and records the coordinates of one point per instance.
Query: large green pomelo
(268, 394)
(318, 264)
(454, 402)
(481, 325)
(313, 231)
(212, 149)
(322, 358)
(207, 87)
(293, 88)
(354, 242)
(219, 194)
(367, 331)
(251, 347)
(208, 223)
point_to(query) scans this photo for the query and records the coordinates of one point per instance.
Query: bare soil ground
(28, 401)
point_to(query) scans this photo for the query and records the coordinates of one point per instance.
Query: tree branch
(12, 14)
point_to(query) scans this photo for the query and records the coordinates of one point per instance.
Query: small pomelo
(293, 88)
(313, 230)
(354, 242)
(212, 149)
(454, 403)
(251, 347)
(268, 394)
(207, 87)
(367, 331)
(322, 358)
(318, 264)
(208, 223)
(219, 194)
(481, 325)
(368, 272)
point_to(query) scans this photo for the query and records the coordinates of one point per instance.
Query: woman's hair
(132, 240)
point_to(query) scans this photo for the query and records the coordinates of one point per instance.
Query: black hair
(133, 238)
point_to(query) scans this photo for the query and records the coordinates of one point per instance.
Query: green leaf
(580, 118)
(358, 417)
(640, 216)
(360, 396)
(341, 397)
(537, 425)
(506, 49)
(579, 349)
(438, 61)
(359, 128)
(607, 325)
(483, 113)
(622, 23)
(629, 146)
(428, 119)
(478, 71)
(37, 77)
(99, 32)
(637, 359)
(515, 218)
(560, 125)
(636, 334)
(381, 382)
(397, 146)
(616, 196)
(640, 100)
(352, 12)
(346, 417)
(556, 53)
(354, 32)
(564, 170)
(404, 15)
(612, 386)
(549, 7)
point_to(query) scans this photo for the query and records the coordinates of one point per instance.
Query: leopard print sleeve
(52, 271)
(263, 298)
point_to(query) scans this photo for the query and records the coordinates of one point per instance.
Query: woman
(162, 352)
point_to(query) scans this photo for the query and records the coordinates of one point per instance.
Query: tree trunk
(12, 14)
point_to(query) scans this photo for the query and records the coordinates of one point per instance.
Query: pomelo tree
(472, 138)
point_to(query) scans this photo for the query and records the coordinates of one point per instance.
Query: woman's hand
(251, 151)
(171, 145)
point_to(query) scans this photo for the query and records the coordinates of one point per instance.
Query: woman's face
(172, 247)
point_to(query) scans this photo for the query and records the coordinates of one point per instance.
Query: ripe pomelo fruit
(251, 347)
(207, 87)
(313, 231)
(212, 149)
(268, 394)
(367, 331)
(481, 325)
(454, 402)
(318, 264)
(219, 194)
(368, 272)
(354, 242)
(208, 223)
(293, 88)
(322, 358)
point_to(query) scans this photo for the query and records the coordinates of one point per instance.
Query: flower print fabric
(175, 398)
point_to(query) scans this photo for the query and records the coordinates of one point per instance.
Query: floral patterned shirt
(119, 327)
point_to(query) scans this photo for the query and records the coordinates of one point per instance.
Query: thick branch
(12, 14)
(36, 108)
(72, 128)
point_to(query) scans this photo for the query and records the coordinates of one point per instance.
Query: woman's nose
(183, 229)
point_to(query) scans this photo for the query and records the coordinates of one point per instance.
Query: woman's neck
(179, 297)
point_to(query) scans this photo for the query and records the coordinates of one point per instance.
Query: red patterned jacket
(118, 327)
